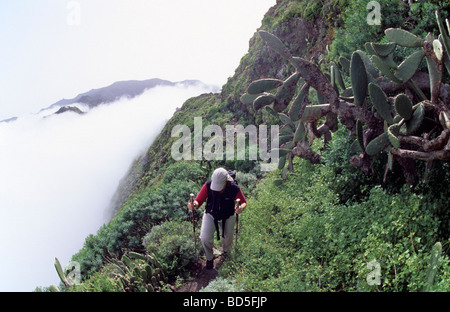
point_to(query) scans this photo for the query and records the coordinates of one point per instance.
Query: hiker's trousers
(208, 231)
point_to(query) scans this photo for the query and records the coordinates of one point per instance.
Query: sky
(57, 49)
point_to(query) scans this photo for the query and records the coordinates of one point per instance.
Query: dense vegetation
(323, 225)
(307, 235)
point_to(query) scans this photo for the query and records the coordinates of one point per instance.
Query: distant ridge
(117, 90)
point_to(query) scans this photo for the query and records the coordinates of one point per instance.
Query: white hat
(219, 179)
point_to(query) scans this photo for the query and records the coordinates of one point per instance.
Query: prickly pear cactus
(388, 107)
(137, 272)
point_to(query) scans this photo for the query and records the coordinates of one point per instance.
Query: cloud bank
(59, 172)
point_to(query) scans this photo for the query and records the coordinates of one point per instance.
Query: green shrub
(173, 245)
(300, 237)
(100, 281)
(221, 284)
(184, 171)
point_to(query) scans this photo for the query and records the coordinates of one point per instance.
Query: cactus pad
(393, 132)
(403, 38)
(358, 76)
(409, 66)
(337, 77)
(385, 69)
(377, 145)
(345, 64)
(299, 132)
(263, 100)
(383, 49)
(403, 106)
(286, 120)
(416, 121)
(248, 99)
(444, 36)
(275, 43)
(380, 101)
(263, 85)
(296, 105)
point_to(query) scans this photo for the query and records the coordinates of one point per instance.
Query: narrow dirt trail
(201, 276)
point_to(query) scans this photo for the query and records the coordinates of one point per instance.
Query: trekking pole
(193, 220)
(238, 202)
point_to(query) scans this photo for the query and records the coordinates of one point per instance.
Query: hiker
(220, 194)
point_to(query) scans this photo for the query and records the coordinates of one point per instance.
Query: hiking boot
(209, 264)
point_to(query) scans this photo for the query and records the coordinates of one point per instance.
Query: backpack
(221, 206)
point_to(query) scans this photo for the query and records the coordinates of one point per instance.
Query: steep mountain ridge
(119, 89)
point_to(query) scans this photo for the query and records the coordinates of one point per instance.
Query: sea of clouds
(59, 172)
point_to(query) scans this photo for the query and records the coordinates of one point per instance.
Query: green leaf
(389, 60)
(278, 182)
(285, 138)
(369, 48)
